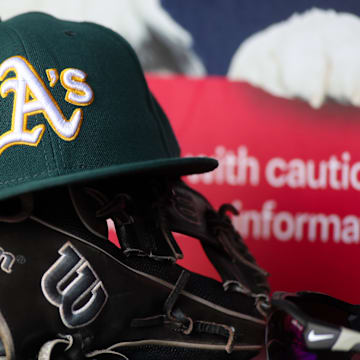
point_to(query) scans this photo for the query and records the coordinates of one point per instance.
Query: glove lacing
(228, 237)
(180, 322)
(234, 246)
(221, 224)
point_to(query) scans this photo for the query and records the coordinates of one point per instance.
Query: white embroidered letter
(52, 76)
(32, 97)
(78, 91)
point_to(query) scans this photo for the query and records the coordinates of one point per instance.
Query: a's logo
(31, 96)
(6, 261)
(73, 286)
(312, 337)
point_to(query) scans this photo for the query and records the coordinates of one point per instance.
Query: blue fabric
(219, 26)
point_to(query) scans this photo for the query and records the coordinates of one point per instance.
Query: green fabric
(123, 130)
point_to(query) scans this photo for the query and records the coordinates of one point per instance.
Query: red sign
(291, 170)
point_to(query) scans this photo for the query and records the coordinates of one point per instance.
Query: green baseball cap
(75, 106)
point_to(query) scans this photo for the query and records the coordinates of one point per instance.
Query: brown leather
(68, 281)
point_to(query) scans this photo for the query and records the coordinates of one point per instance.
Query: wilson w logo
(6, 261)
(73, 286)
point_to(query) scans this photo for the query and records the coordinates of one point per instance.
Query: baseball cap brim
(170, 167)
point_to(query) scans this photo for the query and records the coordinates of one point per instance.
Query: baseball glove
(69, 293)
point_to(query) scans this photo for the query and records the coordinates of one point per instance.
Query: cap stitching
(57, 139)
(50, 172)
(24, 178)
(150, 102)
(15, 32)
(61, 153)
(131, 52)
(54, 140)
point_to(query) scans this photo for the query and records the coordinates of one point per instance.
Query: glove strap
(140, 231)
